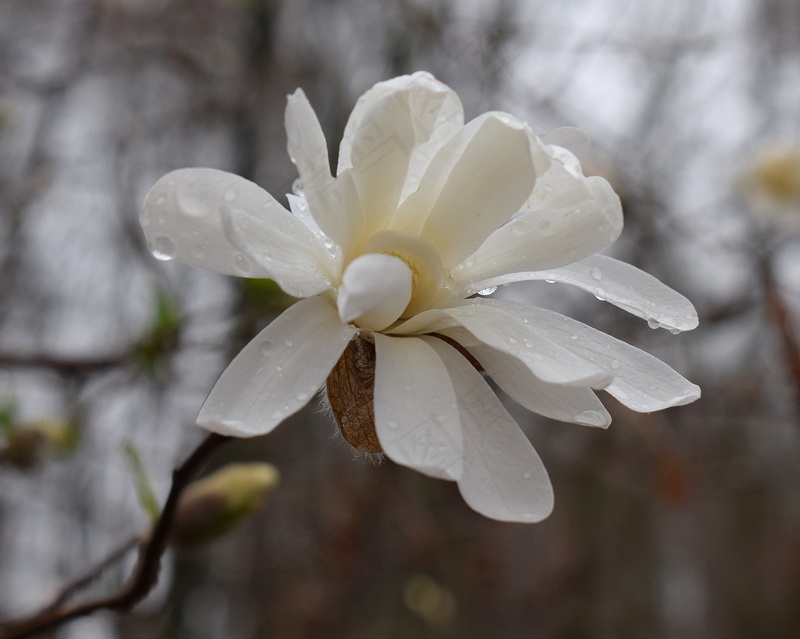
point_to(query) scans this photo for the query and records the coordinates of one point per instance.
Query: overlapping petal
(546, 235)
(640, 381)
(189, 216)
(278, 372)
(617, 283)
(473, 185)
(574, 404)
(416, 417)
(503, 331)
(502, 477)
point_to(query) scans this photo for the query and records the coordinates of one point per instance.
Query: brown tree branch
(145, 574)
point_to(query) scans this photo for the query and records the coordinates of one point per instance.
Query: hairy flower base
(351, 393)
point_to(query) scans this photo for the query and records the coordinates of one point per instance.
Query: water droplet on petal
(591, 418)
(161, 199)
(278, 414)
(242, 264)
(512, 340)
(301, 397)
(487, 291)
(573, 336)
(550, 281)
(297, 187)
(653, 323)
(288, 343)
(597, 274)
(527, 474)
(163, 248)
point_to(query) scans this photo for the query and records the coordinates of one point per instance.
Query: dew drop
(192, 206)
(487, 291)
(653, 323)
(297, 187)
(230, 194)
(242, 264)
(573, 336)
(512, 340)
(597, 274)
(301, 397)
(288, 343)
(163, 248)
(674, 331)
(550, 281)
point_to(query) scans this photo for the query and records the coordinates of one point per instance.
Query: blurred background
(679, 524)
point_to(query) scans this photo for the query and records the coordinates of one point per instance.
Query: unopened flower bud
(31, 443)
(214, 505)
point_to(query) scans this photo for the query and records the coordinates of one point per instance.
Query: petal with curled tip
(619, 284)
(640, 381)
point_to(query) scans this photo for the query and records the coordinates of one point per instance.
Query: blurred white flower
(424, 212)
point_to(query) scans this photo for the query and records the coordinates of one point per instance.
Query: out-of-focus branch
(782, 319)
(145, 575)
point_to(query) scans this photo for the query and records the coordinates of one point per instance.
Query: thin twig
(144, 576)
(782, 318)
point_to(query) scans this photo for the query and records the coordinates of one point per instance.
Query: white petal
(306, 143)
(338, 212)
(587, 219)
(382, 145)
(334, 203)
(184, 219)
(620, 284)
(278, 372)
(435, 108)
(503, 477)
(375, 290)
(547, 360)
(282, 247)
(642, 382)
(474, 184)
(573, 404)
(416, 418)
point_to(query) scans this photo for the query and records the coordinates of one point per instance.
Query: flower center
(427, 273)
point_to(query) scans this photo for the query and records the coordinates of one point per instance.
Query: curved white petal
(473, 185)
(306, 143)
(546, 359)
(587, 219)
(381, 149)
(375, 290)
(283, 247)
(337, 210)
(278, 372)
(416, 418)
(618, 283)
(642, 382)
(574, 404)
(186, 217)
(503, 477)
(433, 106)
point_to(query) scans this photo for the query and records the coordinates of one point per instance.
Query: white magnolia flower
(424, 212)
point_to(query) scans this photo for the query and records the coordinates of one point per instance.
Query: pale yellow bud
(30, 443)
(212, 506)
(771, 186)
